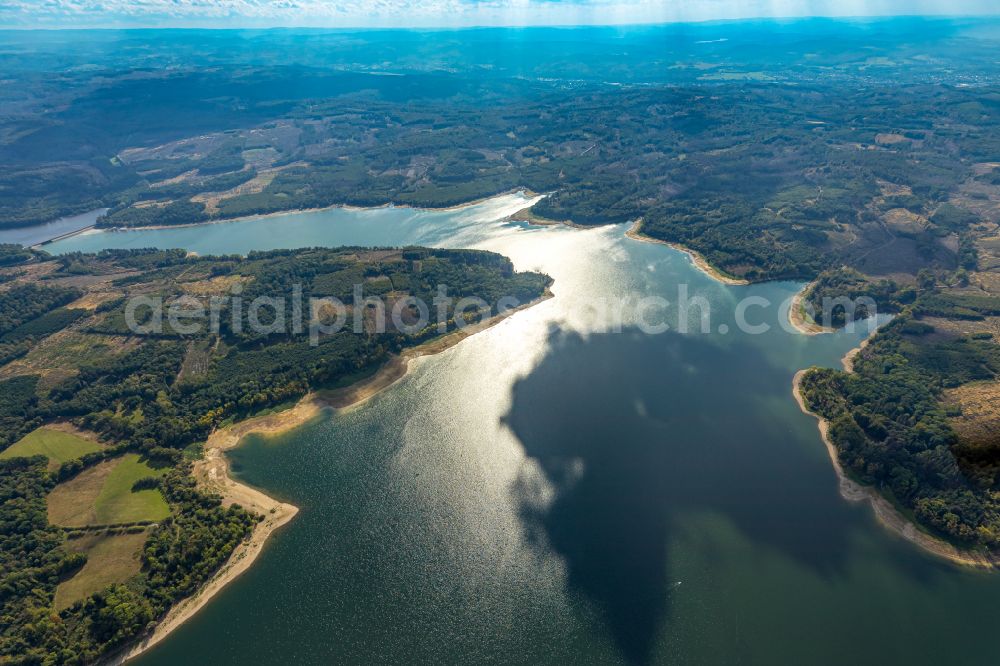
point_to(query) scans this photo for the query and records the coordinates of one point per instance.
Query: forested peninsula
(104, 528)
(914, 416)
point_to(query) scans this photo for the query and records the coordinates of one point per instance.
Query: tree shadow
(635, 430)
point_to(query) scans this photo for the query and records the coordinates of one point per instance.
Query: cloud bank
(443, 13)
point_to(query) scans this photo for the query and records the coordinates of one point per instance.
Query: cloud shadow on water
(634, 431)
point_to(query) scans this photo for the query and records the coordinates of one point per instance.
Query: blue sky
(422, 13)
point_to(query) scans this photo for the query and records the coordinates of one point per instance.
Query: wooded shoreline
(887, 514)
(213, 473)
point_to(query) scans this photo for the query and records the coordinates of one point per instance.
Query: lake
(40, 233)
(564, 488)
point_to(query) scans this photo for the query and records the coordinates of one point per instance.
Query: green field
(102, 495)
(118, 504)
(56, 445)
(110, 559)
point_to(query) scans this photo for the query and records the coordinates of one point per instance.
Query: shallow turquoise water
(555, 490)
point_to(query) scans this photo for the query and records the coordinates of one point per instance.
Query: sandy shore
(700, 262)
(848, 360)
(525, 215)
(798, 317)
(212, 476)
(212, 471)
(885, 512)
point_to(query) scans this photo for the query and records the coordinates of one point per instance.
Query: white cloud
(336, 13)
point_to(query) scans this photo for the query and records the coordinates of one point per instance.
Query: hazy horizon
(444, 14)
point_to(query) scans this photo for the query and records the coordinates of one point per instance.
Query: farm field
(58, 446)
(103, 495)
(111, 558)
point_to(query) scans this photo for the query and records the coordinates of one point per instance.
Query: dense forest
(159, 393)
(766, 162)
(881, 182)
(892, 424)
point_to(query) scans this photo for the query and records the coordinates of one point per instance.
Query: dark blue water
(565, 488)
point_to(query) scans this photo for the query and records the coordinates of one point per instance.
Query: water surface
(40, 233)
(555, 490)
